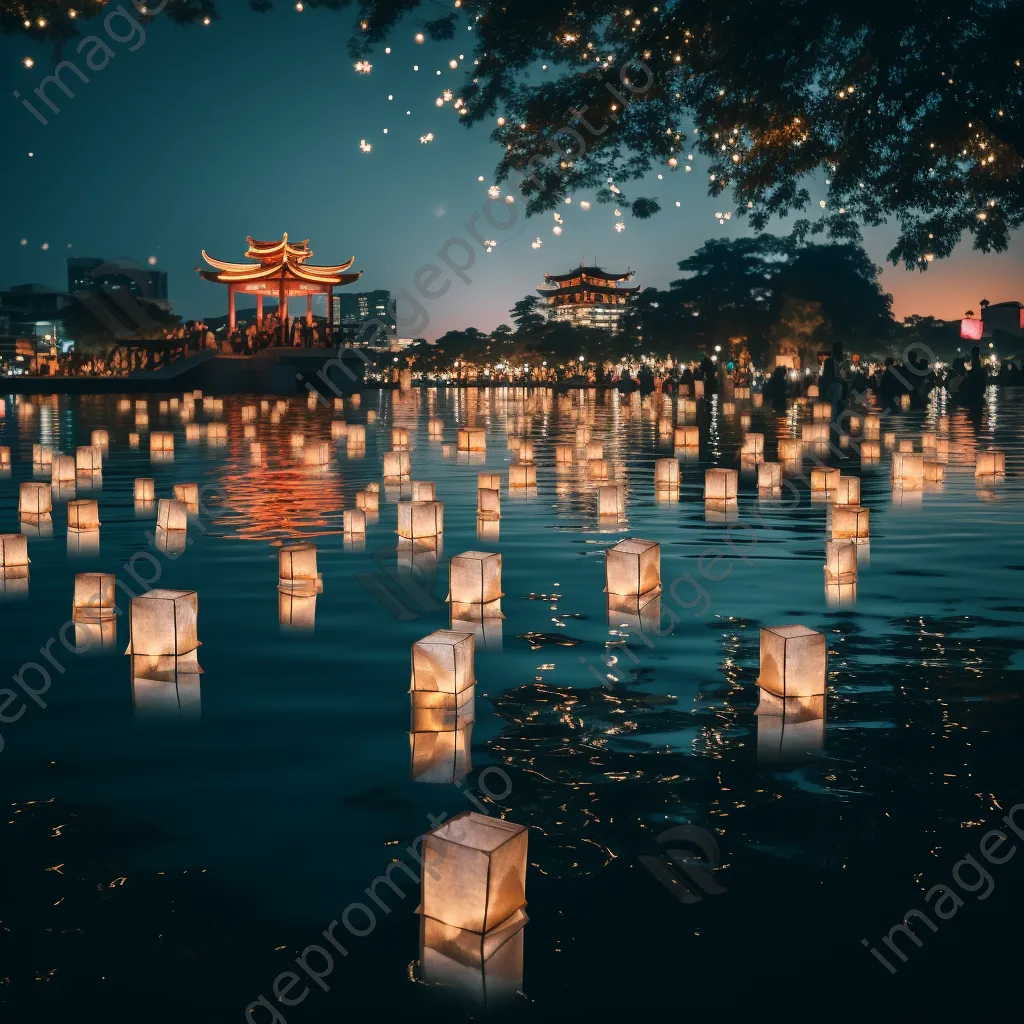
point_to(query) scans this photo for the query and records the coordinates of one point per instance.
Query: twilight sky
(200, 136)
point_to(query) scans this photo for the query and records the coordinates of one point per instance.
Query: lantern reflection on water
(769, 477)
(34, 498)
(188, 495)
(399, 438)
(442, 684)
(167, 688)
(355, 435)
(161, 441)
(88, 459)
(598, 469)
(847, 491)
(593, 450)
(841, 595)
(933, 472)
(889, 439)
(790, 450)
(490, 481)
(435, 427)
(686, 437)
(441, 756)
(816, 433)
(794, 661)
(870, 451)
(789, 729)
(296, 611)
(472, 439)
(5, 457)
(872, 426)
(316, 453)
(297, 573)
(753, 444)
(339, 428)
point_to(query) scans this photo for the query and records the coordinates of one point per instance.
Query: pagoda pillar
(309, 308)
(259, 309)
(231, 308)
(282, 312)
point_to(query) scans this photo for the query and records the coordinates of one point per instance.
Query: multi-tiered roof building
(587, 297)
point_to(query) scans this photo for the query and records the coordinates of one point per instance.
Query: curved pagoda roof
(278, 259)
(594, 273)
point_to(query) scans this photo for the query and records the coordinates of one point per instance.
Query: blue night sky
(252, 125)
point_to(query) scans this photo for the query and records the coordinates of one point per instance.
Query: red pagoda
(587, 297)
(282, 270)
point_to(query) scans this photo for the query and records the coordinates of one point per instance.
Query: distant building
(32, 310)
(587, 297)
(1005, 317)
(360, 315)
(92, 274)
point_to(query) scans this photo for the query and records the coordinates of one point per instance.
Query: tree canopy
(904, 109)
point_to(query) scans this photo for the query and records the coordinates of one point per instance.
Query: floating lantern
(420, 519)
(988, 462)
(371, 416)
(354, 521)
(339, 404)
(745, 421)
(488, 503)
(62, 469)
(163, 626)
(721, 485)
(907, 470)
(598, 469)
(686, 437)
(790, 729)
(824, 479)
(666, 473)
(133, 440)
(794, 661)
(821, 410)
(816, 433)
(13, 553)
(870, 451)
(256, 453)
(698, 389)
(844, 440)
(491, 481)
(171, 515)
(397, 466)
(88, 459)
(34, 499)
(564, 454)
(475, 580)
(141, 405)
(889, 439)
(94, 597)
(741, 393)
(145, 489)
(442, 684)
(847, 491)
(423, 490)
(312, 400)
(38, 525)
(356, 435)
(728, 408)
(791, 450)
(42, 455)
(522, 474)
(162, 441)
(83, 514)
(942, 424)
(942, 449)
(248, 413)
(478, 877)
(249, 431)
(840, 561)
(142, 419)
(928, 440)
(316, 454)
(472, 439)
(904, 402)
(368, 500)
(100, 439)
(665, 427)
(124, 405)
(850, 522)
(339, 428)
(594, 450)
(187, 494)
(355, 400)
(441, 756)
(525, 451)
(435, 427)
(769, 476)
(514, 442)
(5, 457)
(687, 407)
(933, 472)
(611, 500)
(399, 438)
(906, 445)
(296, 569)
(298, 441)
(753, 446)
(812, 391)
(757, 399)
(633, 568)
(582, 435)
(872, 426)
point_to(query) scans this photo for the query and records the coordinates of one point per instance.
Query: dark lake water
(170, 851)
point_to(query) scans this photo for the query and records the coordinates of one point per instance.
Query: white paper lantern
(356, 435)
(753, 445)
(354, 520)
(472, 439)
(187, 494)
(728, 408)
(850, 522)
(791, 730)
(83, 514)
(339, 428)
(990, 462)
(816, 433)
(100, 438)
(522, 475)
(582, 435)
(872, 427)
(824, 479)
(686, 437)
(164, 623)
(13, 553)
(62, 469)
(423, 490)
(368, 500)
(475, 585)
(443, 675)
(5, 457)
(88, 459)
(42, 455)
(791, 450)
(840, 561)
(812, 391)
(145, 489)
(721, 484)
(296, 569)
(399, 438)
(441, 756)
(794, 661)
(435, 427)
(397, 465)
(161, 441)
(420, 519)
(34, 498)
(633, 568)
(611, 500)
(757, 399)
(933, 472)
(847, 491)
(666, 473)
(889, 439)
(769, 476)
(821, 410)
(95, 597)
(870, 451)
(171, 515)
(316, 453)
(908, 469)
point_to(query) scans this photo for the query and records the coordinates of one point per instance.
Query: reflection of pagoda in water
(587, 297)
(282, 269)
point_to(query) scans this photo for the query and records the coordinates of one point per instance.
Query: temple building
(587, 297)
(282, 270)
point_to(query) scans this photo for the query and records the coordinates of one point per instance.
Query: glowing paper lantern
(812, 391)
(598, 469)
(769, 476)
(145, 489)
(423, 490)
(633, 568)
(686, 437)
(354, 520)
(666, 473)
(34, 498)
(163, 625)
(745, 421)
(256, 453)
(847, 491)
(821, 410)
(491, 481)
(5, 457)
(371, 415)
(488, 503)
(133, 440)
(987, 462)
(94, 597)
(687, 407)
(318, 453)
(741, 393)
(907, 469)
(906, 445)
(171, 515)
(728, 408)
(824, 479)
(521, 475)
(594, 450)
(368, 500)
(187, 494)
(904, 402)
(872, 426)
(757, 399)
(356, 435)
(442, 684)
(840, 561)
(850, 522)
(62, 469)
(161, 441)
(611, 500)
(13, 553)
(397, 466)
(124, 405)
(472, 439)
(791, 450)
(972, 328)
(42, 455)
(100, 439)
(942, 424)
(88, 459)
(475, 579)
(420, 519)
(142, 419)
(698, 389)
(399, 438)
(339, 428)
(870, 451)
(794, 661)
(83, 514)
(564, 454)
(525, 451)
(296, 569)
(582, 435)
(721, 484)
(815, 432)
(478, 881)
(933, 472)
(753, 445)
